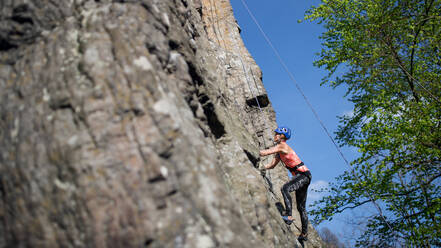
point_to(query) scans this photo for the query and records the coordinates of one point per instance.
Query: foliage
(390, 55)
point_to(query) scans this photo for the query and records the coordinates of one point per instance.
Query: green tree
(388, 55)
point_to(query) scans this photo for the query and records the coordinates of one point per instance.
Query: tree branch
(415, 41)
(397, 58)
(352, 207)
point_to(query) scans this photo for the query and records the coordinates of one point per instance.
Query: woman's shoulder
(289, 148)
(285, 148)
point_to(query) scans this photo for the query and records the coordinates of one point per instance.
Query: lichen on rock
(133, 124)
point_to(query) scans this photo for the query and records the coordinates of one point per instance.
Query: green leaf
(390, 53)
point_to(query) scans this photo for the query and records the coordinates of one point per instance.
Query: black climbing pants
(299, 183)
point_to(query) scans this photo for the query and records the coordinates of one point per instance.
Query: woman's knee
(285, 189)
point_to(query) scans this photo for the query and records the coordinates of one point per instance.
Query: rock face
(133, 124)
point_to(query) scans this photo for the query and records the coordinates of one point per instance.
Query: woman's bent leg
(301, 207)
(296, 182)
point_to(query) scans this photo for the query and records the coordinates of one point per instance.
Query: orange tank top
(291, 160)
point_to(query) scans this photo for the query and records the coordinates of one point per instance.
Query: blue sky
(298, 45)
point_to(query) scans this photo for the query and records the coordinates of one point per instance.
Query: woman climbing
(298, 183)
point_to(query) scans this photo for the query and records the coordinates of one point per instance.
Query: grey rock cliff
(133, 124)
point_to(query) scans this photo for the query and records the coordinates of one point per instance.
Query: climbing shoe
(303, 237)
(287, 221)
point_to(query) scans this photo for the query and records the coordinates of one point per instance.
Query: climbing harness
(297, 166)
(285, 67)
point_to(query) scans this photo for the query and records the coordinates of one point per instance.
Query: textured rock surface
(133, 124)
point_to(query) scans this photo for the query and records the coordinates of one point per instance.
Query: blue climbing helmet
(284, 130)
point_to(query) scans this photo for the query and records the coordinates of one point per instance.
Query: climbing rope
(253, 94)
(221, 42)
(312, 108)
(257, 101)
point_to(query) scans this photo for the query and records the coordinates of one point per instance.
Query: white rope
(258, 105)
(215, 17)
